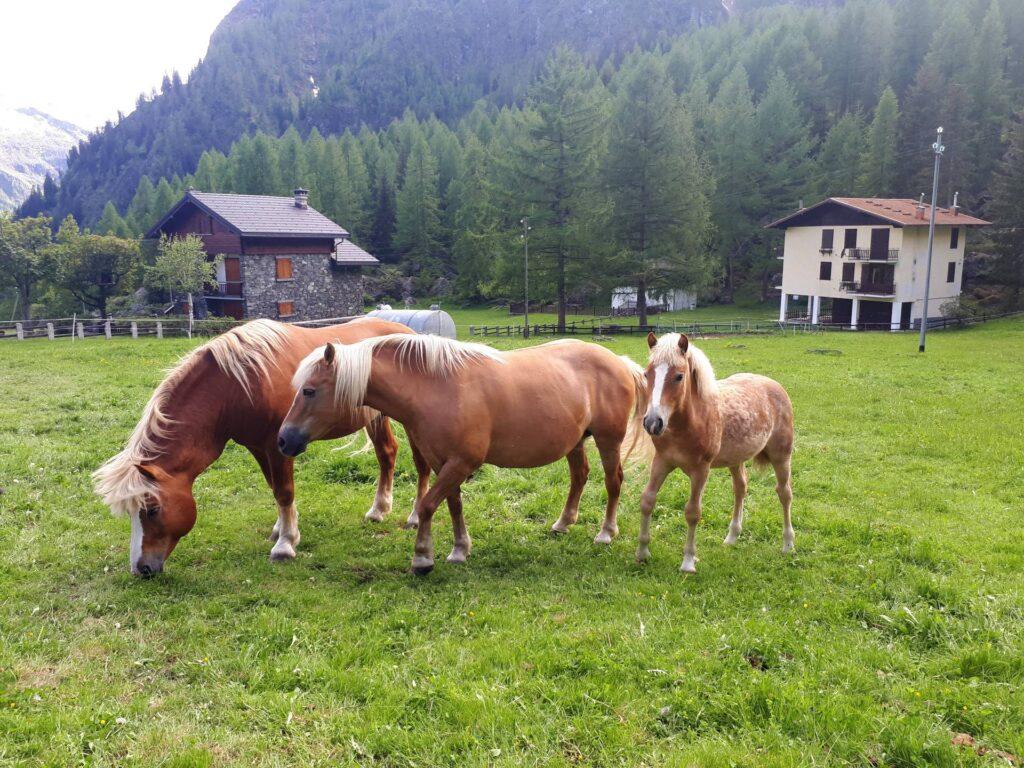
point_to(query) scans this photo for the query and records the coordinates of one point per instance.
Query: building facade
(279, 258)
(862, 262)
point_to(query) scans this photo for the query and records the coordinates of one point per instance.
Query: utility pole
(938, 149)
(526, 276)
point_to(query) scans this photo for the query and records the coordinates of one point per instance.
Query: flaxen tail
(636, 436)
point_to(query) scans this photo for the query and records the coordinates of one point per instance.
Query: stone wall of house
(316, 289)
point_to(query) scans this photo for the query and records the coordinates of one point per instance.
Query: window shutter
(284, 268)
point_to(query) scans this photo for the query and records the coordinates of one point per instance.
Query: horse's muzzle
(292, 441)
(147, 567)
(654, 425)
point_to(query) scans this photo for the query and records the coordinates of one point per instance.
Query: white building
(867, 257)
(667, 301)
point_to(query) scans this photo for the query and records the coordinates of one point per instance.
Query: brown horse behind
(698, 423)
(235, 387)
(465, 405)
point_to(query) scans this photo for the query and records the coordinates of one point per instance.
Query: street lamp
(526, 276)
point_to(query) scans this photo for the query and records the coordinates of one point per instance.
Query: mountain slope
(32, 144)
(335, 64)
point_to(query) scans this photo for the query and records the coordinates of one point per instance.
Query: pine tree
(878, 164)
(418, 220)
(837, 165)
(990, 92)
(140, 210)
(554, 167)
(163, 200)
(111, 223)
(359, 185)
(384, 214)
(474, 223)
(658, 185)
(1007, 210)
(291, 162)
(315, 150)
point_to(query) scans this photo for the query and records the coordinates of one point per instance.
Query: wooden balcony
(868, 289)
(231, 289)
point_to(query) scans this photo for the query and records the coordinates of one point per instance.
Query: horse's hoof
(788, 547)
(411, 525)
(422, 570)
(688, 566)
(730, 540)
(605, 537)
(282, 554)
(373, 516)
(458, 557)
(643, 555)
(559, 527)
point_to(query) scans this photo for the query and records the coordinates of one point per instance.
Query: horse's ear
(684, 343)
(152, 472)
(652, 340)
(329, 353)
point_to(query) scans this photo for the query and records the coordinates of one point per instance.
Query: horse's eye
(679, 377)
(152, 511)
(308, 391)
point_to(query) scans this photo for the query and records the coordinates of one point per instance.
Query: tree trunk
(26, 307)
(561, 291)
(641, 300)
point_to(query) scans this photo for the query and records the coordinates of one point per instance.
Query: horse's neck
(702, 412)
(198, 430)
(390, 389)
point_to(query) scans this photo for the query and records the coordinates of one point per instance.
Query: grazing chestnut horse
(465, 405)
(698, 424)
(235, 387)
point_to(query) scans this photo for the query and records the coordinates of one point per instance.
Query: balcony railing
(875, 289)
(869, 254)
(231, 289)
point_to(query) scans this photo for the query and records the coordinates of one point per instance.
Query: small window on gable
(951, 272)
(850, 238)
(827, 236)
(954, 237)
(284, 268)
(285, 308)
(825, 271)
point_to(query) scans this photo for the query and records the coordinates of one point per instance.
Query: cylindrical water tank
(435, 322)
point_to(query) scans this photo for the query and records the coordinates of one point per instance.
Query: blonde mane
(431, 354)
(667, 351)
(245, 354)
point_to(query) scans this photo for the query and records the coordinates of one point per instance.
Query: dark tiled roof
(349, 254)
(259, 215)
(899, 210)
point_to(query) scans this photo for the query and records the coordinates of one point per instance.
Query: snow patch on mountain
(32, 144)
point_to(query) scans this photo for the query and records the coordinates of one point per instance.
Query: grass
(898, 623)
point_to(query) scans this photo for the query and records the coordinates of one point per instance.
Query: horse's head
(168, 513)
(314, 408)
(669, 375)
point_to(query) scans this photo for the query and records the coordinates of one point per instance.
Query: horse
(465, 405)
(236, 386)
(697, 424)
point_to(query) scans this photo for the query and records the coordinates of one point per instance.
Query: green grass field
(898, 624)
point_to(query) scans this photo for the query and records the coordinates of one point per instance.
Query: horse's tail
(636, 436)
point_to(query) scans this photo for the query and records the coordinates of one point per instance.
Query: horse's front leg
(448, 481)
(698, 478)
(279, 473)
(422, 482)
(660, 469)
(463, 544)
(386, 447)
(579, 471)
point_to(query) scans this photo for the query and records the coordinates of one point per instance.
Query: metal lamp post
(526, 276)
(938, 149)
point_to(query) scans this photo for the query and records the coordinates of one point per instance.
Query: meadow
(894, 636)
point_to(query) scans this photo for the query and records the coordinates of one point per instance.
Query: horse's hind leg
(386, 447)
(422, 482)
(784, 489)
(463, 544)
(278, 470)
(612, 463)
(739, 490)
(579, 471)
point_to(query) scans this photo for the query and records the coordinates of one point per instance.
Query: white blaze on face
(655, 408)
(136, 542)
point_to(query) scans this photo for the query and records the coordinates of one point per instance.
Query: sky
(83, 61)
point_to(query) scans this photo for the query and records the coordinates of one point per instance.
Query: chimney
(302, 198)
(956, 203)
(920, 207)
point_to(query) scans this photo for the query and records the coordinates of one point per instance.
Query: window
(285, 308)
(825, 271)
(827, 236)
(850, 238)
(951, 272)
(954, 237)
(848, 272)
(284, 268)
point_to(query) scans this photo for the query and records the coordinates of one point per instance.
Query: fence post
(49, 331)
(107, 329)
(81, 330)
(471, 331)
(159, 329)
(135, 330)
(20, 330)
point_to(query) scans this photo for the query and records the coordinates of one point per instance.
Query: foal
(465, 405)
(698, 424)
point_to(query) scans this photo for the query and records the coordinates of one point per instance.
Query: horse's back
(752, 403)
